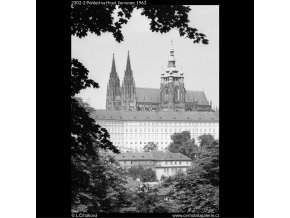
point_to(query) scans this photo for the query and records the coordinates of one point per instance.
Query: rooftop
(152, 155)
(156, 116)
(153, 95)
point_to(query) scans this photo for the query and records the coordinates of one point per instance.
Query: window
(165, 162)
(164, 170)
(179, 162)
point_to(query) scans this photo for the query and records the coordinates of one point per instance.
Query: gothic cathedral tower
(172, 91)
(113, 90)
(128, 90)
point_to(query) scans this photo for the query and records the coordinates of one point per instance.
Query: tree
(146, 175)
(182, 143)
(151, 146)
(135, 171)
(205, 140)
(163, 178)
(145, 199)
(197, 191)
(88, 168)
(99, 19)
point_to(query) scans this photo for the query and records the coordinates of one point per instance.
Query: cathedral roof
(192, 116)
(198, 96)
(148, 95)
(153, 95)
(152, 155)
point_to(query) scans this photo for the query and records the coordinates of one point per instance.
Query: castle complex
(172, 95)
(136, 116)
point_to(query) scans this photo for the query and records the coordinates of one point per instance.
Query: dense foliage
(205, 140)
(145, 175)
(182, 143)
(97, 180)
(100, 19)
(197, 190)
(151, 146)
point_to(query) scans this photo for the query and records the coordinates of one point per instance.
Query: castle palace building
(132, 130)
(172, 95)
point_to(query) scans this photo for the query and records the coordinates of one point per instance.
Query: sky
(149, 52)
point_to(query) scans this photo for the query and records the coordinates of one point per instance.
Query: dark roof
(153, 95)
(152, 155)
(198, 96)
(152, 115)
(148, 95)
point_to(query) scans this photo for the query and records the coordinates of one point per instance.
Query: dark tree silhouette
(99, 19)
(146, 175)
(197, 191)
(87, 138)
(205, 140)
(182, 143)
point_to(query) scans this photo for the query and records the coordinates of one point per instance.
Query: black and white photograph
(144, 108)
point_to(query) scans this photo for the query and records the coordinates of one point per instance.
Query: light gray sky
(149, 52)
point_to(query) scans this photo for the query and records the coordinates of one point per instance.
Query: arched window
(175, 94)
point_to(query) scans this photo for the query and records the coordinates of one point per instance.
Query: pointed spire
(113, 70)
(171, 60)
(128, 66)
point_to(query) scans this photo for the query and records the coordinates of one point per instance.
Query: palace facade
(132, 130)
(171, 96)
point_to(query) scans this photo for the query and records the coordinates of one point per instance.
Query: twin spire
(128, 66)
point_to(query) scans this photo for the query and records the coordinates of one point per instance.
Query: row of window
(158, 124)
(167, 170)
(150, 162)
(175, 162)
(157, 130)
(145, 143)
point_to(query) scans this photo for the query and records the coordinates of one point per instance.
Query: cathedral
(171, 96)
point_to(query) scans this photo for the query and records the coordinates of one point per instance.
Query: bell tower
(172, 91)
